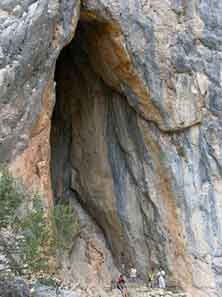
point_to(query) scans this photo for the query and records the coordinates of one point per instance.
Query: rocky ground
(134, 290)
(140, 291)
(143, 291)
(17, 287)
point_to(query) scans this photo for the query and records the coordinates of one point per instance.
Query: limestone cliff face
(133, 130)
(31, 35)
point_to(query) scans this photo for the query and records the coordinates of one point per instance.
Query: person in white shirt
(161, 279)
(133, 274)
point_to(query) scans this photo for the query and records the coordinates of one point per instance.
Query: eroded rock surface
(136, 131)
(14, 288)
(31, 35)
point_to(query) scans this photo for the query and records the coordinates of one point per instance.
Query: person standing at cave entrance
(151, 278)
(161, 278)
(121, 285)
(122, 260)
(133, 274)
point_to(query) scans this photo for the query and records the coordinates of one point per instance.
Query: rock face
(31, 35)
(14, 288)
(135, 134)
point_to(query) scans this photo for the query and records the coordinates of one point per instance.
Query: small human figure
(161, 278)
(123, 267)
(121, 285)
(151, 278)
(122, 259)
(133, 274)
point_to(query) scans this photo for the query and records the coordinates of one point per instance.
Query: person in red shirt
(121, 285)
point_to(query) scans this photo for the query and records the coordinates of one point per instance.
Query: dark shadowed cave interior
(83, 137)
(93, 126)
(78, 127)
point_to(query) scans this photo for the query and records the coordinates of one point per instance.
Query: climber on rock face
(161, 278)
(121, 285)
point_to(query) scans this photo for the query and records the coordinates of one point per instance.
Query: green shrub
(11, 198)
(26, 235)
(47, 281)
(65, 224)
(35, 230)
(39, 237)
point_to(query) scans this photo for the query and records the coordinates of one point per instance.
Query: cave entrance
(85, 86)
(80, 93)
(91, 124)
(80, 123)
(96, 150)
(78, 88)
(68, 88)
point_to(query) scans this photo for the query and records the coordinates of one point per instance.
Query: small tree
(30, 240)
(11, 198)
(21, 237)
(65, 224)
(35, 231)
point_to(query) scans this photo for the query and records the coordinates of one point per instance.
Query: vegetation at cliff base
(65, 225)
(11, 198)
(28, 236)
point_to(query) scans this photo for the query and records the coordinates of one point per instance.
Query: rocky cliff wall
(135, 135)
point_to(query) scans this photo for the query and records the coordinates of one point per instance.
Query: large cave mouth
(79, 157)
(83, 135)
(99, 151)
(88, 76)
(77, 89)
(96, 147)
(68, 87)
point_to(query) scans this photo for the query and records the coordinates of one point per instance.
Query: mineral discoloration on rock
(33, 165)
(28, 57)
(160, 85)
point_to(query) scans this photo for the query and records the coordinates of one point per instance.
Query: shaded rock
(89, 262)
(14, 288)
(44, 291)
